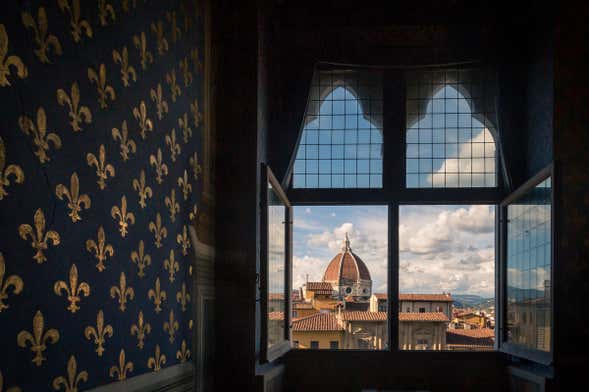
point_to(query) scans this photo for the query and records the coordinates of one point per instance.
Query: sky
(442, 248)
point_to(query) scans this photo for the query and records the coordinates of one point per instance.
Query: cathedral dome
(347, 271)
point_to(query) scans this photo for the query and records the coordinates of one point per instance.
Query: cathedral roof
(346, 266)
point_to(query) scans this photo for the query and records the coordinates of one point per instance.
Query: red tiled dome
(346, 267)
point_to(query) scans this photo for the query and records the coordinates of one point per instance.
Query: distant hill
(472, 301)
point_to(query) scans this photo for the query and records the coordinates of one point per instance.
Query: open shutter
(275, 267)
(525, 314)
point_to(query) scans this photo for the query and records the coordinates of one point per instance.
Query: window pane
(529, 268)
(340, 274)
(446, 277)
(276, 270)
(442, 123)
(346, 124)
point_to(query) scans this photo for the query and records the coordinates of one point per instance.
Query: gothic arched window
(341, 142)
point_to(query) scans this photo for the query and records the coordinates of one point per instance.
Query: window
(422, 146)
(449, 140)
(528, 269)
(334, 344)
(340, 266)
(295, 313)
(447, 255)
(314, 344)
(275, 277)
(341, 141)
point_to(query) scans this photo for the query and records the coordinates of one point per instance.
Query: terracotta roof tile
(319, 286)
(364, 316)
(478, 337)
(276, 296)
(346, 266)
(380, 296)
(428, 316)
(317, 322)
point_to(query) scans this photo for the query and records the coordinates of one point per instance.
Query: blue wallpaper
(100, 127)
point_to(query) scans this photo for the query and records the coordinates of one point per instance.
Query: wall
(324, 339)
(61, 176)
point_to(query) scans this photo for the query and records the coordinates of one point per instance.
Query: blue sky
(442, 248)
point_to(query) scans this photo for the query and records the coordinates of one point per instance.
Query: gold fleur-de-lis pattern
(101, 249)
(105, 91)
(78, 113)
(100, 333)
(102, 117)
(44, 40)
(38, 338)
(103, 169)
(42, 139)
(73, 288)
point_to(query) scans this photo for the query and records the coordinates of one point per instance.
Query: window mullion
(393, 276)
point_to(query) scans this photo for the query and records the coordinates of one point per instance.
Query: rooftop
(317, 322)
(418, 297)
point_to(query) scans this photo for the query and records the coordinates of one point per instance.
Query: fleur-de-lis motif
(100, 333)
(157, 360)
(144, 55)
(102, 169)
(194, 213)
(79, 26)
(183, 354)
(171, 265)
(7, 62)
(171, 142)
(196, 169)
(160, 102)
(39, 238)
(143, 190)
(124, 217)
(183, 240)
(11, 389)
(141, 329)
(186, 130)
(145, 124)
(185, 185)
(13, 281)
(73, 377)
(176, 32)
(122, 369)
(5, 171)
(173, 206)
(183, 297)
(38, 339)
(122, 291)
(75, 200)
(105, 91)
(161, 169)
(162, 42)
(196, 114)
(101, 249)
(158, 295)
(78, 114)
(104, 11)
(74, 291)
(140, 258)
(127, 71)
(158, 230)
(174, 88)
(43, 40)
(196, 61)
(171, 326)
(186, 74)
(128, 146)
(41, 137)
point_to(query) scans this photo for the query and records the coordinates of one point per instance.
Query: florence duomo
(293, 195)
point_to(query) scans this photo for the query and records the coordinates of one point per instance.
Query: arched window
(450, 139)
(341, 142)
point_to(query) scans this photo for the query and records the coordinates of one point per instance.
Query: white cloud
(307, 210)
